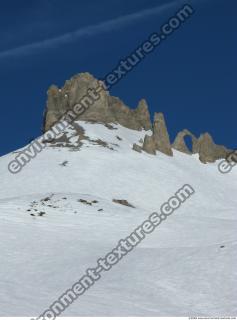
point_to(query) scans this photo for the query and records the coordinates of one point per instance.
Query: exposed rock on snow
(107, 109)
(149, 144)
(123, 202)
(161, 135)
(186, 267)
(209, 151)
(110, 110)
(180, 145)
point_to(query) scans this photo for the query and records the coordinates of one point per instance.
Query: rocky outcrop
(206, 148)
(75, 91)
(142, 115)
(133, 119)
(85, 90)
(105, 108)
(159, 140)
(209, 151)
(123, 202)
(161, 135)
(180, 145)
(149, 144)
(232, 156)
(137, 148)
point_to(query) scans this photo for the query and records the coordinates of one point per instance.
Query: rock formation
(159, 140)
(149, 144)
(137, 148)
(180, 145)
(206, 148)
(105, 109)
(108, 109)
(209, 151)
(161, 135)
(143, 114)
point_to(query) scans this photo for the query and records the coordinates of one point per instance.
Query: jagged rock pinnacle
(108, 109)
(180, 145)
(161, 135)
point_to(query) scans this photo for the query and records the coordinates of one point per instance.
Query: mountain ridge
(109, 109)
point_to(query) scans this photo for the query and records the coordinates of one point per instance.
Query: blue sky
(191, 77)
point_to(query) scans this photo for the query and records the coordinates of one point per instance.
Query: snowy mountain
(72, 203)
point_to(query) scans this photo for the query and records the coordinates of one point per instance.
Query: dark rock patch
(123, 202)
(85, 202)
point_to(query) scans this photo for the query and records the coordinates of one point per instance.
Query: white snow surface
(186, 267)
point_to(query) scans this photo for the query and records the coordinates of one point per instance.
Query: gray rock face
(232, 156)
(137, 148)
(149, 144)
(161, 135)
(206, 148)
(105, 109)
(62, 100)
(159, 140)
(132, 119)
(209, 151)
(143, 114)
(180, 145)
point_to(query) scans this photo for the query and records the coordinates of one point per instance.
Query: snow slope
(49, 236)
